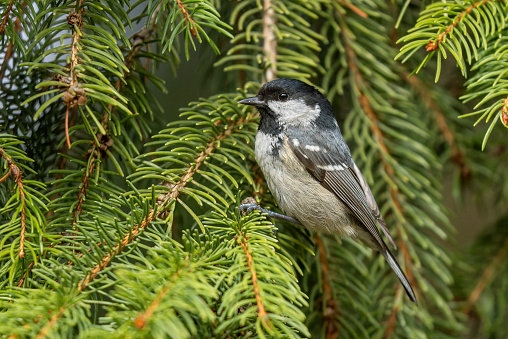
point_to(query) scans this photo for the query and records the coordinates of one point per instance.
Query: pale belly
(300, 195)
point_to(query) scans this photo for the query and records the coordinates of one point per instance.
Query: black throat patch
(271, 126)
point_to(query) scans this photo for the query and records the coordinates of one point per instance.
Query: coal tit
(309, 169)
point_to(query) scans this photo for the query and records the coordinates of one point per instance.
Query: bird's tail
(398, 271)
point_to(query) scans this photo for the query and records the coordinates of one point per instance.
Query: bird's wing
(372, 204)
(331, 164)
(340, 175)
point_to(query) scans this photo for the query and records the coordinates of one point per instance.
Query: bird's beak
(254, 101)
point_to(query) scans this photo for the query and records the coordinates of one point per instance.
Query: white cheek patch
(294, 112)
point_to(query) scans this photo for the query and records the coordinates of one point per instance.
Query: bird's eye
(283, 96)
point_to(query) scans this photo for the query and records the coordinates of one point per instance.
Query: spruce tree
(114, 226)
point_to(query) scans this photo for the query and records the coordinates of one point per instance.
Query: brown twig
(392, 319)
(75, 95)
(138, 41)
(269, 41)
(486, 277)
(67, 137)
(164, 201)
(457, 155)
(141, 320)
(10, 47)
(22, 280)
(360, 83)
(6, 17)
(354, 8)
(84, 186)
(187, 17)
(332, 326)
(433, 44)
(262, 315)
(6, 175)
(45, 330)
(18, 179)
(5, 61)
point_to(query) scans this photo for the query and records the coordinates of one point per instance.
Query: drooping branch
(269, 41)
(353, 8)
(10, 48)
(487, 275)
(434, 44)
(6, 17)
(142, 319)
(139, 39)
(457, 155)
(163, 202)
(359, 83)
(331, 306)
(75, 94)
(262, 315)
(49, 325)
(188, 18)
(17, 174)
(82, 190)
(392, 319)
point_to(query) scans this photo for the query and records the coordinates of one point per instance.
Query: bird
(310, 171)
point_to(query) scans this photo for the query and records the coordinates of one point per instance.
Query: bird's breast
(296, 191)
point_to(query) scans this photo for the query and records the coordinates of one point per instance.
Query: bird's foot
(249, 205)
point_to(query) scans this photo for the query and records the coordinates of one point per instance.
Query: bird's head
(290, 102)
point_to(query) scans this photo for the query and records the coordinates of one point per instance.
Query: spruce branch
(51, 323)
(10, 47)
(141, 320)
(269, 41)
(28, 270)
(139, 40)
(454, 27)
(75, 20)
(434, 44)
(353, 8)
(261, 295)
(457, 154)
(275, 39)
(486, 277)
(392, 319)
(188, 19)
(18, 179)
(262, 315)
(330, 304)
(6, 17)
(82, 191)
(23, 213)
(363, 100)
(196, 15)
(488, 85)
(163, 201)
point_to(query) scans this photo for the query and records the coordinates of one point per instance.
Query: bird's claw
(248, 208)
